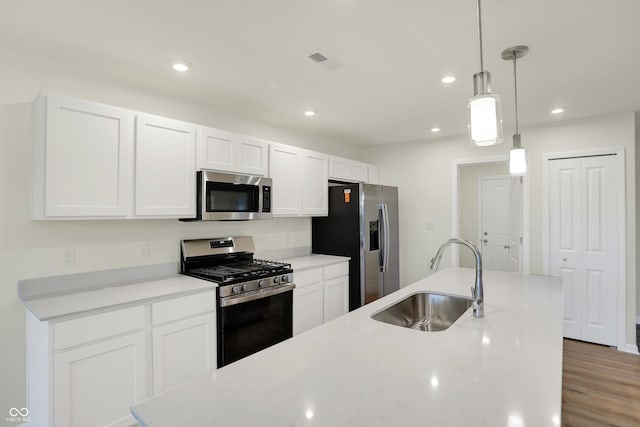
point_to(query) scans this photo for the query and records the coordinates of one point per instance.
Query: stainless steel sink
(425, 311)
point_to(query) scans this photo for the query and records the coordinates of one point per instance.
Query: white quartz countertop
(501, 370)
(48, 307)
(314, 261)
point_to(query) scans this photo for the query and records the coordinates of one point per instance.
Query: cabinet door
(358, 172)
(165, 167)
(96, 384)
(372, 174)
(252, 156)
(284, 168)
(216, 150)
(315, 183)
(308, 308)
(339, 168)
(86, 151)
(336, 299)
(183, 350)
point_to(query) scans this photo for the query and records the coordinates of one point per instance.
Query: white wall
(35, 249)
(423, 172)
(470, 175)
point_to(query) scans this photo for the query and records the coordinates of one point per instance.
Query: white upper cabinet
(300, 181)
(165, 167)
(230, 152)
(253, 155)
(372, 174)
(82, 152)
(284, 169)
(348, 170)
(315, 179)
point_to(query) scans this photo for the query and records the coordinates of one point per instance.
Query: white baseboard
(630, 348)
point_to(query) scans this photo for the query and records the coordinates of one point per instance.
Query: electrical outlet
(69, 257)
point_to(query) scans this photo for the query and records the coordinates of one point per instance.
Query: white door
(583, 242)
(183, 350)
(96, 384)
(494, 223)
(165, 167)
(515, 224)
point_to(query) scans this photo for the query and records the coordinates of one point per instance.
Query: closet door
(583, 244)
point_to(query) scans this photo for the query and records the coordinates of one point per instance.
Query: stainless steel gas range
(254, 297)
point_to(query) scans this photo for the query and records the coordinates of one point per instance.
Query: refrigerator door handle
(384, 236)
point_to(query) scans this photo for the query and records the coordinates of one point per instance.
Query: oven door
(249, 326)
(225, 196)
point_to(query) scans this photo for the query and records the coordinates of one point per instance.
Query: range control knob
(235, 289)
(284, 279)
(245, 287)
(262, 283)
(276, 280)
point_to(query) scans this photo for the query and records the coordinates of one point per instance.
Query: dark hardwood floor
(600, 386)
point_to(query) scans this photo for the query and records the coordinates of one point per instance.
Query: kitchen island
(501, 370)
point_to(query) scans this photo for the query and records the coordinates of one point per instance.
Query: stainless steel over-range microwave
(224, 196)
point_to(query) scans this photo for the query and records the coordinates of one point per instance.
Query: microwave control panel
(266, 198)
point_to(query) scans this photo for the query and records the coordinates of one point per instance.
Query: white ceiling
(250, 57)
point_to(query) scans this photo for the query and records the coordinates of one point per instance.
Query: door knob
(506, 246)
(485, 240)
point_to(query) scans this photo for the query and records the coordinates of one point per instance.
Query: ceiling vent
(325, 60)
(317, 57)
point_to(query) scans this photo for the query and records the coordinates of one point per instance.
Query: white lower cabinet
(308, 311)
(336, 297)
(96, 384)
(183, 350)
(89, 370)
(321, 294)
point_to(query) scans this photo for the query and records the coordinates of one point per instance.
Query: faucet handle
(473, 293)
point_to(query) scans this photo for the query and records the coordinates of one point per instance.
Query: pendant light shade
(485, 125)
(518, 161)
(517, 155)
(485, 113)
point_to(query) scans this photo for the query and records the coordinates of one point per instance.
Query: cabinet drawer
(336, 270)
(307, 277)
(179, 308)
(92, 328)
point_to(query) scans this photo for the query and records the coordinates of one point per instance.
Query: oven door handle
(233, 300)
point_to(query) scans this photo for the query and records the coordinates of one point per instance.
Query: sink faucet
(477, 292)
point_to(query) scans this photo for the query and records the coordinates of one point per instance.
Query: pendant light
(485, 115)
(517, 155)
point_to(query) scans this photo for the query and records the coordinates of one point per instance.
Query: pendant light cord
(480, 36)
(515, 88)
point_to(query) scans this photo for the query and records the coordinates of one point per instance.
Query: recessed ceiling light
(448, 79)
(309, 113)
(180, 65)
(557, 111)
(435, 130)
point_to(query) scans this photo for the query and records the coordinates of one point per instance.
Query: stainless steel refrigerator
(363, 225)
